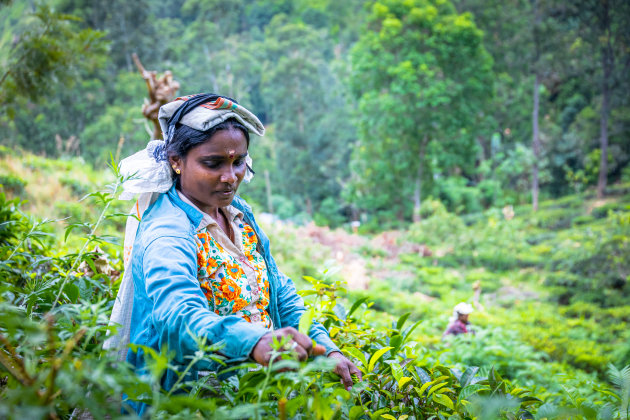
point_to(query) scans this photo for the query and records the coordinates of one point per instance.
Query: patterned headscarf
(148, 170)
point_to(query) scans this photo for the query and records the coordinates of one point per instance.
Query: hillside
(552, 315)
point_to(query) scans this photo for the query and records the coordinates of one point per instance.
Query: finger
(318, 350)
(344, 373)
(301, 353)
(303, 340)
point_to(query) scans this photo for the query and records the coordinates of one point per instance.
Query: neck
(211, 211)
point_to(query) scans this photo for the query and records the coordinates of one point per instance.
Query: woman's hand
(298, 342)
(345, 369)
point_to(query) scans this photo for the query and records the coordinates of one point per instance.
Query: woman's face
(212, 171)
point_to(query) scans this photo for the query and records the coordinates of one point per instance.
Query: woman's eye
(213, 165)
(239, 162)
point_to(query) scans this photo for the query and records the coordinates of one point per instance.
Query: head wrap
(149, 171)
(462, 308)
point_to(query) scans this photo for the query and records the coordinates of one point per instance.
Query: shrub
(13, 184)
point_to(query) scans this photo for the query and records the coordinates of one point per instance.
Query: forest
(418, 154)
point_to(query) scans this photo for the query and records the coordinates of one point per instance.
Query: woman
(458, 323)
(200, 265)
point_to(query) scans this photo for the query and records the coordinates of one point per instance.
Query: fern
(621, 381)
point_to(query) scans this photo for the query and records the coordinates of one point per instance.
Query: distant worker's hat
(463, 308)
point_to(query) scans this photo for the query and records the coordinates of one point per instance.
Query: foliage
(56, 320)
(527, 359)
(46, 49)
(462, 74)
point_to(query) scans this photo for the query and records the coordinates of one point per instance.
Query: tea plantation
(551, 319)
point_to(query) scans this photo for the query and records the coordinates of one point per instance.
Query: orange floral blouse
(234, 283)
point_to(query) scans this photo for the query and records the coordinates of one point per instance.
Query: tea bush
(12, 183)
(55, 320)
(528, 359)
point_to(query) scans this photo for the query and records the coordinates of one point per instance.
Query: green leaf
(403, 381)
(423, 375)
(355, 412)
(377, 356)
(409, 330)
(377, 413)
(436, 387)
(72, 291)
(388, 416)
(396, 341)
(356, 305)
(608, 392)
(444, 400)
(471, 390)
(468, 375)
(423, 388)
(357, 354)
(397, 371)
(401, 320)
(311, 280)
(306, 321)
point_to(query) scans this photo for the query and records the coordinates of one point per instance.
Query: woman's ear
(175, 162)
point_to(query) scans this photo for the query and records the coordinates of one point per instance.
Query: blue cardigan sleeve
(181, 309)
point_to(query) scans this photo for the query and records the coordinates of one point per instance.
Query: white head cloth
(462, 308)
(147, 174)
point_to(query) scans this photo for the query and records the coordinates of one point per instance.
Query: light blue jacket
(168, 301)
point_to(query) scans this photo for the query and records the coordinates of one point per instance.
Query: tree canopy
(371, 107)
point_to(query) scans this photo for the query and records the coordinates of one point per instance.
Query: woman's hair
(185, 138)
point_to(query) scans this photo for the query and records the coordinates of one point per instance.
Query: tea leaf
(376, 356)
(356, 305)
(468, 375)
(401, 320)
(444, 400)
(356, 353)
(403, 381)
(306, 321)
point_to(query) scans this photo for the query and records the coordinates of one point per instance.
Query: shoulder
(164, 218)
(241, 205)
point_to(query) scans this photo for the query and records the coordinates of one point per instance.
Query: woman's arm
(180, 309)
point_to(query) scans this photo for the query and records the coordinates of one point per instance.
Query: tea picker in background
(458, 323)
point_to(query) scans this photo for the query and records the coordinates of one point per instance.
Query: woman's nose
(229, 176)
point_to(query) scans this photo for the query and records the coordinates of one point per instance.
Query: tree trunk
(309, 206)
(417, 191)
(535, 112)
(535, 142)
(607, 65)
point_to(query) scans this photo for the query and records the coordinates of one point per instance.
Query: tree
(421, 75)
(308, 111)
(46, 50)
(605, 26)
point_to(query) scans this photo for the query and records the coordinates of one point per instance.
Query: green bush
(53, 329)
(13, 184)
(78, 188)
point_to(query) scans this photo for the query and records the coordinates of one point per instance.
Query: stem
(190, 365)
(262, 392)
(87, 242)
(14, 363)
(22, 241)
